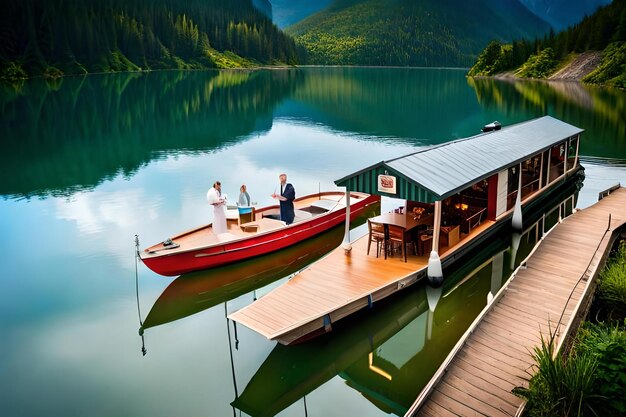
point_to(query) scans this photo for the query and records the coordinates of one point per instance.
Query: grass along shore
(590, 380)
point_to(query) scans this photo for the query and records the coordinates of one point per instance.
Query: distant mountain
(563, 13)
(288, 12)
(593, 51)
(409, 32)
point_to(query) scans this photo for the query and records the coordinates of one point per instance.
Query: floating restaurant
(456, 194)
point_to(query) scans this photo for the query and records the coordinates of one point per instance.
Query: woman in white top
(214, 197)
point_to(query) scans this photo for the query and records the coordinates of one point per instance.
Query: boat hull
(171, 264)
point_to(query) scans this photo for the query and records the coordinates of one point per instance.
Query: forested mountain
(408, 32)
(54, 37)
(604, 31)
(288, 12)
(563, 13)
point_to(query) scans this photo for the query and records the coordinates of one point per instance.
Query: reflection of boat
(198, 291)
(258, 234)
(469, 190)
(390, 353)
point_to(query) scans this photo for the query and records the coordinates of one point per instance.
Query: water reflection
(601, 112)
(71, 134)
(423, 106)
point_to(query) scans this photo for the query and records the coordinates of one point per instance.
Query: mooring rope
(230, 349)
(143, 344)
(558, 323)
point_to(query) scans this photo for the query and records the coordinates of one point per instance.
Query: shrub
(51, 72)
(561, 387)
(612, 69)
(539, 65)
(12, 71)
(486, 60)
(607, 344)
(612, 284)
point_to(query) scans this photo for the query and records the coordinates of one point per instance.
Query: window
(571, 153)
(557, 161)
(513, 184)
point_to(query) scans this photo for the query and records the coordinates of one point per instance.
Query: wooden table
(395, 219)
(407, 223)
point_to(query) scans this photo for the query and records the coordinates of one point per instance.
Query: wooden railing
(474, 220)
(556, 171)
(510, 200)
(530, 188)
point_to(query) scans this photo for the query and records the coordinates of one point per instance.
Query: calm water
(90, 162)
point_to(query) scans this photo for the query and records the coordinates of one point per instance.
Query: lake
(90, 162)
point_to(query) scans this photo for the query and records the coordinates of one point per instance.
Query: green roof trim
(366, 181)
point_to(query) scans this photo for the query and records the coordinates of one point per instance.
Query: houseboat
(253, 232)
(457, 195)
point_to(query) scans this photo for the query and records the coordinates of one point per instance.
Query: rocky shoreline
(575, 70)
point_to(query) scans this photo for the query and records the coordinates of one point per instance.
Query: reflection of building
(264, 6)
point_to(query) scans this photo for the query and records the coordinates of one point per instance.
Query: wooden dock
(334, 288)
(494, 355)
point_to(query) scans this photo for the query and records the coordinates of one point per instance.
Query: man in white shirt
(214, 197)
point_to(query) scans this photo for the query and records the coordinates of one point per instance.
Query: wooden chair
(396, 234)
(426, 244)
(449, 236)
(376, 234)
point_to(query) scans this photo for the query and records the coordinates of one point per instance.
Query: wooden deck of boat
(494, 356)
(204, 236)
(336, 287)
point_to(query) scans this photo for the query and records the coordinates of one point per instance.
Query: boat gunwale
(268, 241)
(363, 197)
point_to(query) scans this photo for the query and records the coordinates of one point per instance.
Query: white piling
(346, 245)
(435, 272)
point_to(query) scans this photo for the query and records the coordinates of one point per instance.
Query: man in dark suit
(286, 197)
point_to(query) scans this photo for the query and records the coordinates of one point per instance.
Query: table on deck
(406, 222)
(396, 219)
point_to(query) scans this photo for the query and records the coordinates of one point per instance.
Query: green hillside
(408, 32)
(604, 31)
(56, 37)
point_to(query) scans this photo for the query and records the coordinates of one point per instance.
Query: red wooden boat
(251, 234)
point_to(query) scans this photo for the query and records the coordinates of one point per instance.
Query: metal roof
(438, 172)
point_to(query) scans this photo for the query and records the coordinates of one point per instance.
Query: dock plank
(437, 411)
(478, 405)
